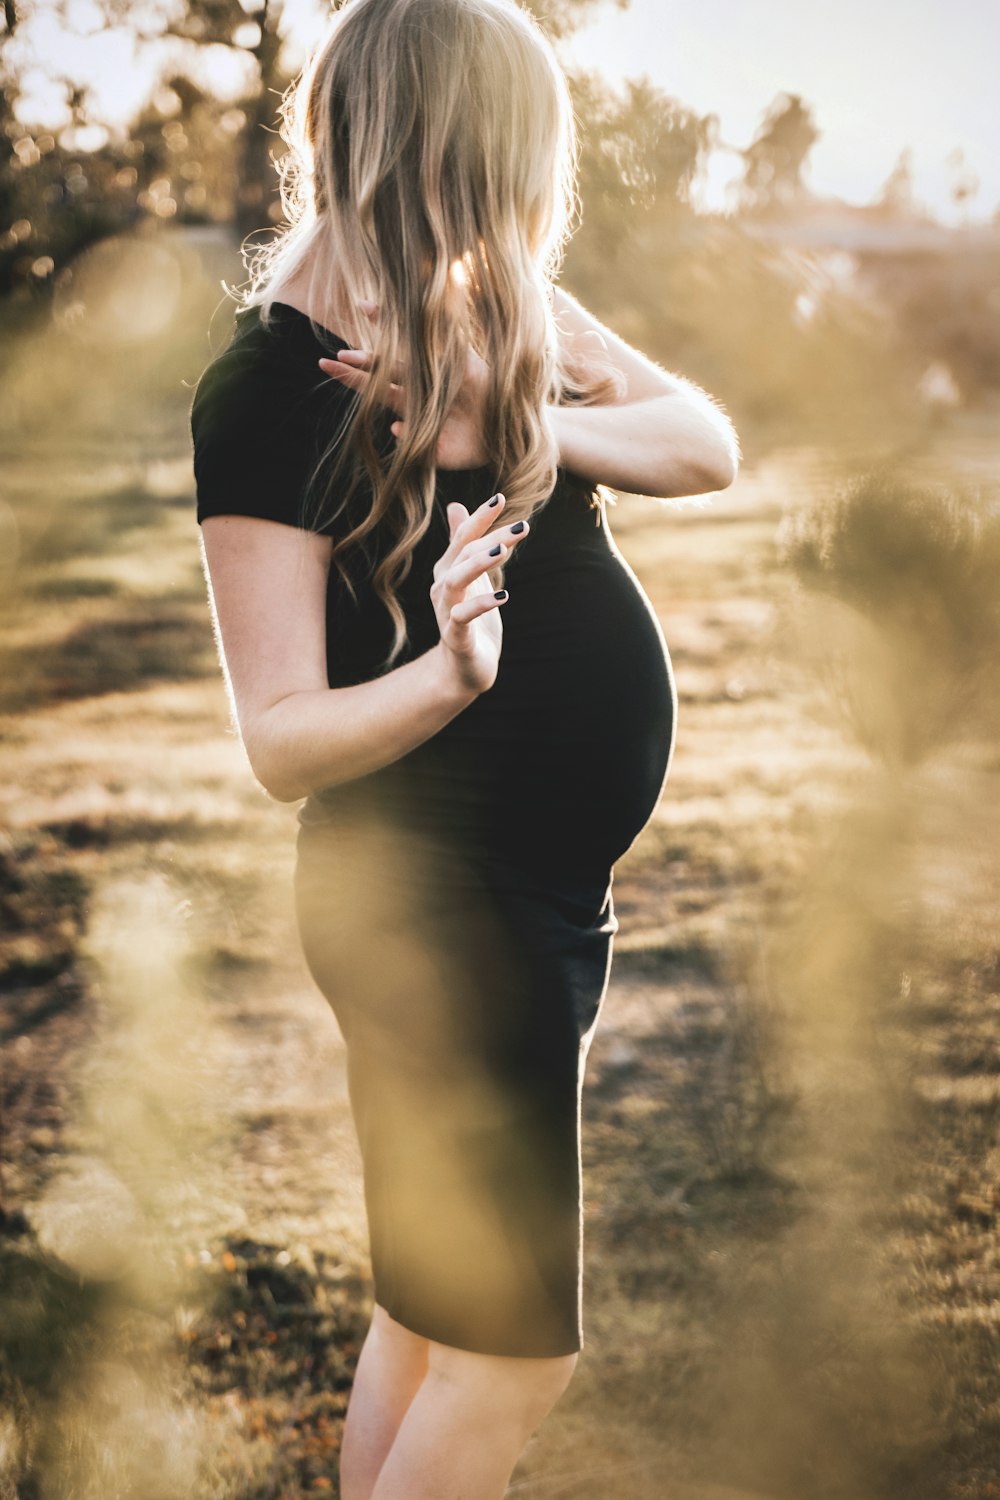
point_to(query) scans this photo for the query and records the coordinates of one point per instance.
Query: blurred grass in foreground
(791, 1113)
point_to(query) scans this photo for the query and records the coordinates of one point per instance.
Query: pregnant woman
(433, 644)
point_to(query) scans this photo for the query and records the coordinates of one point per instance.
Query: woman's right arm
(267, 586)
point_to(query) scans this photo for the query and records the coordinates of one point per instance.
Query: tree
(184, 156)
(774, 160)
(965, 184)
(639, 151)
(897, 196)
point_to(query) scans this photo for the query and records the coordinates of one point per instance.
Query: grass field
(791, 1116)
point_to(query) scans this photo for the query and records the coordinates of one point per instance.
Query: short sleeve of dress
(257, 427)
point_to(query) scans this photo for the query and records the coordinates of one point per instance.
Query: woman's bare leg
(391, 1366)
(468, 1424)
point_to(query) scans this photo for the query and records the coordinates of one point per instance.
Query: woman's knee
(524, 1389)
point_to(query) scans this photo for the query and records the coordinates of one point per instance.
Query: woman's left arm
(665, 437)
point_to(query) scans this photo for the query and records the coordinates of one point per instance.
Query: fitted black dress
(455, 907)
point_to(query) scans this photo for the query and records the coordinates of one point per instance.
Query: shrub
(913, 574)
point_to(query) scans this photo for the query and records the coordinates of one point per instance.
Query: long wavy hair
(431, 168)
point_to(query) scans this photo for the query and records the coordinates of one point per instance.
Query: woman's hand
(463, 598)
(460, 443)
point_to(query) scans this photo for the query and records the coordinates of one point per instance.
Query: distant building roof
(867, 229)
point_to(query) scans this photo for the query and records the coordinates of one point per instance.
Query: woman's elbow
(710, 458)
(274, 779)
(704, 475)
(719, 464)
(720, 474)
(270, 766)
(282, 791)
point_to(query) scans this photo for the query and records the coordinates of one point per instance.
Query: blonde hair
(432, 169)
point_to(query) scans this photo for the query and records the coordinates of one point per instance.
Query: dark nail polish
(495, 500)
(501, 594)
(518, 527)
(496, 551)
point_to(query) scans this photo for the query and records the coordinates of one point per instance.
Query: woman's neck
(296, 292)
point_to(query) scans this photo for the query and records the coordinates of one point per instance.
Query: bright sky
(878, 76)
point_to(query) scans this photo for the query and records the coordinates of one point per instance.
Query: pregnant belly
(558, 767)
(561, 763)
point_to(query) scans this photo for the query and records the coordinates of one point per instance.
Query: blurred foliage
(184, 158)
(785, 334)
(793, 348)
(638, 150)
(777, 155)
(561, 17)
(912, 661)
(947, 308)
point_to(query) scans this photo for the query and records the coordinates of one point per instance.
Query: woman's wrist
(450, 688)
(324, 737)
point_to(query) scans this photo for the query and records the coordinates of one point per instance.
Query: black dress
(455, 907)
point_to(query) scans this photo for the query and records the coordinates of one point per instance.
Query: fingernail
(496, 499)
(501, 594)
(518, 527)
(495, 551)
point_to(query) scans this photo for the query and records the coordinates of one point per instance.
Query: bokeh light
(122, 291)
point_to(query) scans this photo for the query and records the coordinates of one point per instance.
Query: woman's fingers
(468, 568)
(456, 514)
(501, 544)
(478, 604)
(469, 529)
(473, 564)
(357, 380)
(363, 359)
